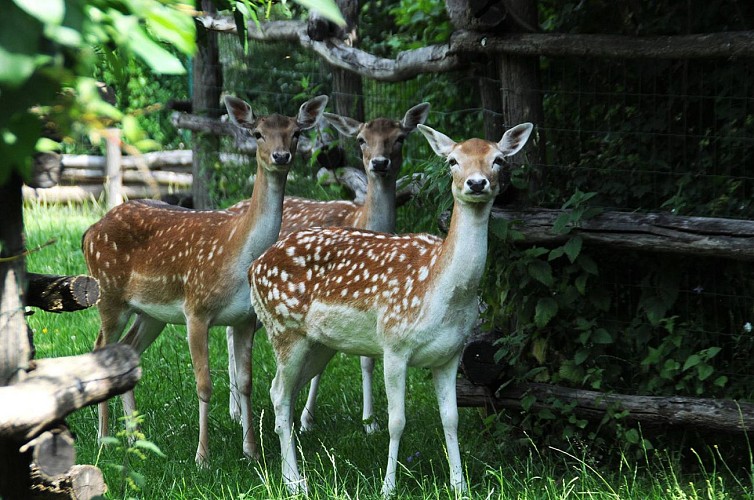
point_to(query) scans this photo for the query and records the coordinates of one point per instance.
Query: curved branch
(406, 65)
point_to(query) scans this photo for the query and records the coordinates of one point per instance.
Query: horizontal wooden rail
(657, 232)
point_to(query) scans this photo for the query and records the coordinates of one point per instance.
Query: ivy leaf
(546, 309)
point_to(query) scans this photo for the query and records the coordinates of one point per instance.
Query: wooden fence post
(114, 181)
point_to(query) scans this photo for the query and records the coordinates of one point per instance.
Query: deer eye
(258, 135)
(499, 162)
(453, 162)
(362, 141)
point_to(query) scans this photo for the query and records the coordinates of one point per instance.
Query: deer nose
(281, 157)
(380, 164)
(476, 185)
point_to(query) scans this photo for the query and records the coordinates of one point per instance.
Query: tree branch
(453, 56)
(406, 65)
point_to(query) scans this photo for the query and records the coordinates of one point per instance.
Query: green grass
(339, 460)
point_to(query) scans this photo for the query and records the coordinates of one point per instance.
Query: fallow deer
(381, 143)
(411, 299)
(171, 265)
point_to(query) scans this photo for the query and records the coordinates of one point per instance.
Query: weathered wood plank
(657, 232)
(716, 414)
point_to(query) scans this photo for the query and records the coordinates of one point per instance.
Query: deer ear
(311, 111)
(514, 139)
(440, 143)
(346, 126)
(239, 112)
(414, 116)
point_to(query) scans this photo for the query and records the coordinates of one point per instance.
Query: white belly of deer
(238, 309)
(435, 339)
(171, 312)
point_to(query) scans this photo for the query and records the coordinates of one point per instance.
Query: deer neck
(264, 214)
(378, 212)
(464, 251)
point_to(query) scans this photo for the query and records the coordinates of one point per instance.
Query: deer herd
(323, 277)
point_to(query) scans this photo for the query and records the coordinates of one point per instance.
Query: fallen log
(715, 414)
(61, 293)
(59, 386)
(81, 482)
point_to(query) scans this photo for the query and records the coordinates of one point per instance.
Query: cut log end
(62, 293)
(82, 482)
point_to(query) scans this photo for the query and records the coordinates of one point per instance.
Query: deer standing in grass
(171, 265)
(411, 299)
(381, 142)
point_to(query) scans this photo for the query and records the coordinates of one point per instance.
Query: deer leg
(243, 343)
(367, 415)
(235, 397)
(112, 324)
(307, 415)
(445, 386)
(141, 335)
(199, 348)
(395, 387)
(294, 369)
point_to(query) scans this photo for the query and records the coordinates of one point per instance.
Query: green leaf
(541, 271)
(327, 8)
(556, 253)
(588, 264)
(580, 283)
(704, 371)
(601, 336)
(562, 224)
(572, 248)
(158, 59)
(499, 228)
(527, 401)
(109, 441)
(546, 309)
(692, 361)
(721, 381)
(632, 436)
(150, 446)
(47, 11)
(174, 27)
(15, 69)
(581, 356)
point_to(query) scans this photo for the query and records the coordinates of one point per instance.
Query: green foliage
(132, 446)
(48, 54)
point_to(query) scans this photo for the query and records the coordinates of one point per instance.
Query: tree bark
(716, 414)
(15, 345)
(82, 482)
(205, 101)
(61, 293)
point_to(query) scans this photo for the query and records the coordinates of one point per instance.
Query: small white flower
(747, 327)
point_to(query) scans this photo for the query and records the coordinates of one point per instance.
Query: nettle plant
(596, 319)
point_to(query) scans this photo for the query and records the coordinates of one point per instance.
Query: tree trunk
(205, 100)
(15, 346)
